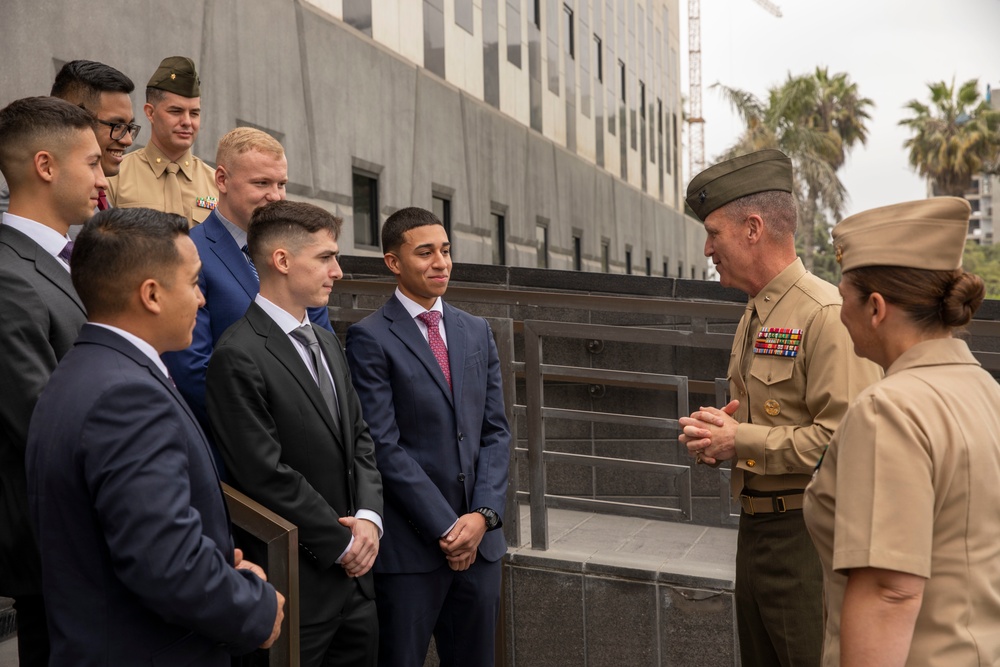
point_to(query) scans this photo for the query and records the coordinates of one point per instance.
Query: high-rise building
(543, 132)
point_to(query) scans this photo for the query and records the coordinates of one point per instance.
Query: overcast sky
(891, 48)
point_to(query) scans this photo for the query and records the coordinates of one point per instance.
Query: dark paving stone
(692, 622)
(548, 618)
(621, 623)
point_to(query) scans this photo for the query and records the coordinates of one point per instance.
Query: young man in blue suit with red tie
(428, 376)
(252, 171)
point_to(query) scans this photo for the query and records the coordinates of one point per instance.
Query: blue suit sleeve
(494, 454)
(403, 479)
(188, 367)
(137, 460)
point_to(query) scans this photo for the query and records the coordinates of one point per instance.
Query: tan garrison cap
(925, 234)
(727, 181)
(178, 75)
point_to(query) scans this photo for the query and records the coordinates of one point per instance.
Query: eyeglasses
(119, 130)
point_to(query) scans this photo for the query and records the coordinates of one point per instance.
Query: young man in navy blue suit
(252, 171)
(428, 376)
(137, 561)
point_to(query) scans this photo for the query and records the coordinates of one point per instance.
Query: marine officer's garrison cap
(728, 181)
(925, 234)
(176, 74)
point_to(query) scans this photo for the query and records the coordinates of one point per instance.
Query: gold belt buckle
(747, 503)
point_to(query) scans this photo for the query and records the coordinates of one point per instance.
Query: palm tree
(954, 138)
(816, 119)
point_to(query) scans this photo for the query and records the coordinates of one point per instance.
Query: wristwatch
(492, 518)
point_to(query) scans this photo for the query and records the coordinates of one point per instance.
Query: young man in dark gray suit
(52, 162)
(290, 429)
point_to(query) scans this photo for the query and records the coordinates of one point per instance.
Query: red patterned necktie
(102, 201)
(431, 318)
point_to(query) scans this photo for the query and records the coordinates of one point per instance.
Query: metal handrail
(282, 540)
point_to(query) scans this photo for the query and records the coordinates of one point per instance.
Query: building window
(542, 245)
(666, 270)
(514, 33)
(598, 60)
(463, 15)
(535, 12)
(365, 192)
(628, 261)
(649, 265)
(605, 257)
(442, 209)
(568, 21)
(498, 235)
(358, 14)
(621, 81)
(577, 253)
(680, 269)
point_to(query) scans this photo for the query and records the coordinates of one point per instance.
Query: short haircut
(154, 96)
(34, 124)
(243, 140)
(403, 221)
(118, 249)
(286, 224)
(775, 207)
(81, 82)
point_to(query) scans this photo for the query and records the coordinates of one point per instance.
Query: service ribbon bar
(778, 341)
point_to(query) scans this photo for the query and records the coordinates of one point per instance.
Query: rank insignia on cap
(206, 202)
(702, 196)
(772, 407)
(778, 342)
(840, 253)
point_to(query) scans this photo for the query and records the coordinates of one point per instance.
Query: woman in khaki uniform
(903, 508)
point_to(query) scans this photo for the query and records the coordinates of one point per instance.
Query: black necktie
(305, 335)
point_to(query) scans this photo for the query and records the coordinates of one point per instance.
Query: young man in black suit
(289, 426)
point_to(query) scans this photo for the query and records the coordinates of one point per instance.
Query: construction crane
(696, 123)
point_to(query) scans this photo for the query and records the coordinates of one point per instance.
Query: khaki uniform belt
(770, 504)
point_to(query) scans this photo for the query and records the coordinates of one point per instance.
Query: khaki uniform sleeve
(884, 491)
(834, 375)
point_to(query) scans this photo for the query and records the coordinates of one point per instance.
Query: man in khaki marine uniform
(164, 175)
(792, 374)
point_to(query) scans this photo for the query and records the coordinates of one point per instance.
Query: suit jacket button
(461, 477)
(461, 436)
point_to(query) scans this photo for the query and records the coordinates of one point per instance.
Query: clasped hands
(710, 433)
(462, 541)
(361, 556)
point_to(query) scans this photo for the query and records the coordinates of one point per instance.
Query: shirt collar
(49, 239)
(285, 320)
(769, 297)
(934, 352)
(238, 234)
(158, 161)
(414, 309)
(142, 345)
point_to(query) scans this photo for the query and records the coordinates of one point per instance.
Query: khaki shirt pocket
(770, 370)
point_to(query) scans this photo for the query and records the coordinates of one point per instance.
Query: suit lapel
(224, 247)
(404, 328)
(279, 345)
(45, 264)
(457, 345)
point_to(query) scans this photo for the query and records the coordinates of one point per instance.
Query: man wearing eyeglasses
(103, 91)
(165, 175)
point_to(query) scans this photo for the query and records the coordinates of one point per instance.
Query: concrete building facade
(545, 132)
